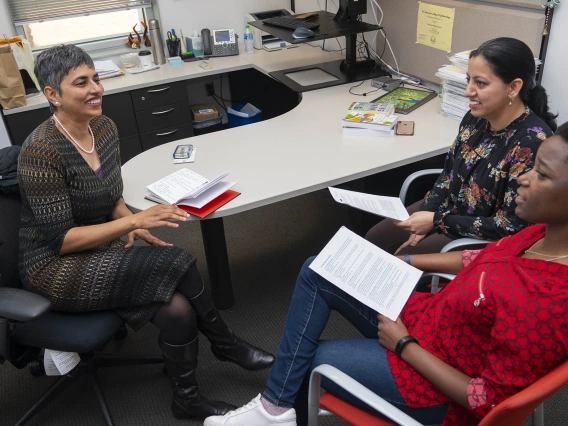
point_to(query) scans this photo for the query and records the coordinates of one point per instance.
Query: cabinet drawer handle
(158, 90)
(163, 112)
(167, 133)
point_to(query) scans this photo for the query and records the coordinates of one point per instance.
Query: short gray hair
(53, 64)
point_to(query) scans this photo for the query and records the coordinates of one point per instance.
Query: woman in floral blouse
(498, 138)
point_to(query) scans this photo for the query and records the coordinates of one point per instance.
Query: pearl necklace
(73, 139)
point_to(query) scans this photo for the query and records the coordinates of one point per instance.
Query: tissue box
(204, 112)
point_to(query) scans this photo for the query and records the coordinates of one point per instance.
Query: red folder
(212, 205)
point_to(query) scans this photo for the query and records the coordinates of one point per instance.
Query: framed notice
(406, 100)
(435, 26)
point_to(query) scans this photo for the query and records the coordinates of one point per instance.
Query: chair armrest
(463, 243)
(355, 388)
(443, 275)
(412, 177)
(21, 305)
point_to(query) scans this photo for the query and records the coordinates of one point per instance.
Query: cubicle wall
(474, 23)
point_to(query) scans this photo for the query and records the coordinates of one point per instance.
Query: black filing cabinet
(162, 113)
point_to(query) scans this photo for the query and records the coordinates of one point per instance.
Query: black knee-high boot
(181, 363)
(226, 346)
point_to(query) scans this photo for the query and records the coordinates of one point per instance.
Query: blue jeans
(301, 351)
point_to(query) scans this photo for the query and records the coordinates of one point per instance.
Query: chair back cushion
(10, 206)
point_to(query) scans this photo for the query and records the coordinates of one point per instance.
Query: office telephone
(219, 42)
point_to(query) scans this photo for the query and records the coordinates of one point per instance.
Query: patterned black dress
(60, 191)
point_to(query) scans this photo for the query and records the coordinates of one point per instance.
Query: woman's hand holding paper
(390, 332)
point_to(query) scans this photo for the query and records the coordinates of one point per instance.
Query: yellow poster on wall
(435, 26)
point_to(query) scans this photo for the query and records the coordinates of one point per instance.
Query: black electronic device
(290, 22)
(183, 152)
(221, 42)
(350, 10)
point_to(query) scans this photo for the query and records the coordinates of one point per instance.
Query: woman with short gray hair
(73, 216)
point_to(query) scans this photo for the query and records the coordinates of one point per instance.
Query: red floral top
(510, 338)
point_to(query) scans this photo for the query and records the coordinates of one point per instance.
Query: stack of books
(369, 119)
(454, 103)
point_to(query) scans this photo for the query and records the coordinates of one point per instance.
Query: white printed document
(57, 363)
(369, 274)
(390, 207)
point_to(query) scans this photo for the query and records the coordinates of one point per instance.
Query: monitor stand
(334, 73)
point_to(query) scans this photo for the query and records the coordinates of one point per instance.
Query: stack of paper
(192, 192)
(454, 83)
(107, 69)
(454, 75)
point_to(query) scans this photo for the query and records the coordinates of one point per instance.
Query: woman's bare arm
(451, 382)
(450, 262)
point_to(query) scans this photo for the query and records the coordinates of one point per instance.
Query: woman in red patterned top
(500, 325)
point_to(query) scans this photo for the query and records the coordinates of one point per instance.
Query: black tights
(177, 318)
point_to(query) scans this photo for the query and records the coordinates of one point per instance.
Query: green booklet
(405, 99)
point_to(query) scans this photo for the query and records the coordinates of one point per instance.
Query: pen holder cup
(188, 45)
(236, 121)
(174, 47)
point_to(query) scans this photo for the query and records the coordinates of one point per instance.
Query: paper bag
(24, 58)
(12, 91)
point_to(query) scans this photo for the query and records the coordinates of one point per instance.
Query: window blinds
(28, 11)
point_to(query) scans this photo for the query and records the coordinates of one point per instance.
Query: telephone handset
(206, 40)
(220, 43)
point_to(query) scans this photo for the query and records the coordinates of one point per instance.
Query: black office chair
(28, 325)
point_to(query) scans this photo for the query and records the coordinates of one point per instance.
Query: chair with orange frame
(511, 412)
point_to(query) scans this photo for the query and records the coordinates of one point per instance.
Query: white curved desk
(296, 153)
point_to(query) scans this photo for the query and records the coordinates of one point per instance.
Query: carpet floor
(267, 247)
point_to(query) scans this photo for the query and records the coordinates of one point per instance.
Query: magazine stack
(454, 103)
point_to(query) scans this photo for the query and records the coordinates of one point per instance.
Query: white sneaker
(252, 414)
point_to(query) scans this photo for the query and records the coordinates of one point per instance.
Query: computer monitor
(350, 10)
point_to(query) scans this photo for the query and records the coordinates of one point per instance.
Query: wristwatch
(402, 343)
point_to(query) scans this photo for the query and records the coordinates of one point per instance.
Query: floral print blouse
(475, 194)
